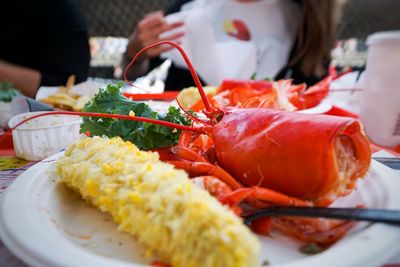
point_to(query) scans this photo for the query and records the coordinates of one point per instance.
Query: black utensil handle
(359, 214)
(393, 163)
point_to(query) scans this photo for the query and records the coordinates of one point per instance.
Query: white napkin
(213, 61)
(343, 96)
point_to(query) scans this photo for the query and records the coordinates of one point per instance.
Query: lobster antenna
(114, 116)
(126, 71)
(190, 115)
(188, 63)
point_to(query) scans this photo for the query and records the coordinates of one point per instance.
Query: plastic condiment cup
(380, 108)
(44, 136)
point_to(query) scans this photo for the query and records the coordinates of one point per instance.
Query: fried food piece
(65, 99)
(58, 99)
(80, 103)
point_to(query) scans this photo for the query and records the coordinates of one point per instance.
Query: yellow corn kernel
(149, 167)
(92, 188)
(179, 190)
(106, 203)
(108, 169)
(175, 221)
(134, 197)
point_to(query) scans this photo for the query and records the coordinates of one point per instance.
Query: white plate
(88, 88)
(321, 108)
(45, 224)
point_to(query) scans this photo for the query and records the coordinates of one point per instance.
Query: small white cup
(380, 108)
(44, 136)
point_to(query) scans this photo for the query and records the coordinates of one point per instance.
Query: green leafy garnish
(7, 92)
(311, 249)
(265, 263)
(253, 77)
(144, 135)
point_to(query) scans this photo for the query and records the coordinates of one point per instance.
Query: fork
(359, 214)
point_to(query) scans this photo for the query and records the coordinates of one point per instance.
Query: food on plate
(261, 157)
(189, 96)
(180, 224)
(279, 157)
(270, 157)
(313, 157)
(144, 135)
(282, 95)
(65, 99)
(282, 158)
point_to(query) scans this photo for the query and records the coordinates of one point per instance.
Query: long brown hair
(316, 36)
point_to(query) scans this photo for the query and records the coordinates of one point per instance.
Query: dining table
(343, 103)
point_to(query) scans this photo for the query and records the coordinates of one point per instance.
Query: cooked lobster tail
(262, 146)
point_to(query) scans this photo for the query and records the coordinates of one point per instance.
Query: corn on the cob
(179, 223)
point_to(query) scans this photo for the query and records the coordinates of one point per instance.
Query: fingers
(151, 20)
(155, 13)
(165, 27)
(156, 51)
(151, 33)
(151, 29)
(160, 49)
(172, 37)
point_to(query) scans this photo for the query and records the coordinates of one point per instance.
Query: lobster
(261, 157)
(281, 95)
(255, 152)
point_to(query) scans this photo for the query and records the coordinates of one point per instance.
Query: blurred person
(42, 43)
(293, 38)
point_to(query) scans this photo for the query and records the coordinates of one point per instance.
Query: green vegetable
(144, 135)
(7, 93)
(253, 77)
(265, 263)
(311, 249)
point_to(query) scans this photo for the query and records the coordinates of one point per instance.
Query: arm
(25, 79)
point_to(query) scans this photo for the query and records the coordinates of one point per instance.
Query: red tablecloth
(6, 145)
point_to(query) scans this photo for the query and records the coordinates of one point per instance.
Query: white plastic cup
(43, 136)
(380, 108)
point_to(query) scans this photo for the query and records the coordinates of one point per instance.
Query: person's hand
(149, 31)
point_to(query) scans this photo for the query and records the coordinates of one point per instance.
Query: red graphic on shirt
(236, 28)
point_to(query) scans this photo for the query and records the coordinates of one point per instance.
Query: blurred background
(110, 22)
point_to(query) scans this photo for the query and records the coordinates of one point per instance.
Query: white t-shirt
(271, 25)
